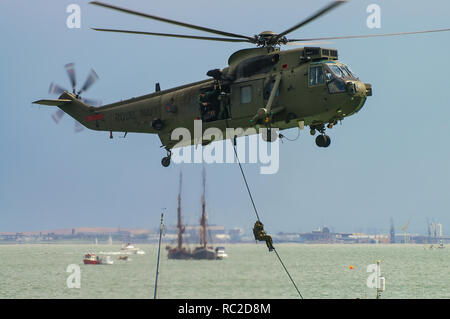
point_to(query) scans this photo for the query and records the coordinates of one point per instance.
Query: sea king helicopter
(262, 87)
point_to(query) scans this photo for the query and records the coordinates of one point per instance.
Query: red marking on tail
(94, 117)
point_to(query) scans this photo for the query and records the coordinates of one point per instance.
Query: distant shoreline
(84, 243)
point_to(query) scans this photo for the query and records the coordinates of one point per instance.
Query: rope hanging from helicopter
(259, 220)
(281, 136)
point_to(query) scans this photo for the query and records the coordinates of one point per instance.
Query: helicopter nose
(358, 88)
(368, 89)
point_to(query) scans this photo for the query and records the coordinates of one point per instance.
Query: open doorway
(214, 103)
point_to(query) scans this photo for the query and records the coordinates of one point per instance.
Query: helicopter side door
(317, 91)
(246, 99)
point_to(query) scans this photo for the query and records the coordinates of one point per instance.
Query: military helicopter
(262, 87)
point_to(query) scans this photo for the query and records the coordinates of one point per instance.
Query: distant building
(439, 230)
(435, 231)
(321, 235)
(235, 234)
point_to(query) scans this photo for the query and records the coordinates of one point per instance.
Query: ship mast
(179, 224)
(203, 219)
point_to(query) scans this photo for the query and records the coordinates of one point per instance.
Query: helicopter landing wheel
(165, 161)
(323, 140)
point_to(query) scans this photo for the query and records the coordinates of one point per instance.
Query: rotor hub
(269, 39)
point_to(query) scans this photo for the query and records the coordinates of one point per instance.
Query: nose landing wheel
(166, 160)
(323, 140)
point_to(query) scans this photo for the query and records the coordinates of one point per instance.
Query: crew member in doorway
(208, 101)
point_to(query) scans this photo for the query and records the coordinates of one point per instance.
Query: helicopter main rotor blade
(70, 69)
(187, 25)
(319, 13)
(173, 35)
(312, 43)
(368, 35)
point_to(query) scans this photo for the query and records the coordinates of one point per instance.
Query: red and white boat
(92, 259)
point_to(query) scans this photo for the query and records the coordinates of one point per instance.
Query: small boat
(220, 253)
(440, 246)
(106, 260)
(92, 259)
(130, 249)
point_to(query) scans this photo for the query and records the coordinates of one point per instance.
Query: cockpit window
(335, 78)
(350, 72)
(336, 70)
(346, 72)
(341, 70)
(328, 75)
(316, 75)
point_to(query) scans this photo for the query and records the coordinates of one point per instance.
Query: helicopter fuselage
(310, 91)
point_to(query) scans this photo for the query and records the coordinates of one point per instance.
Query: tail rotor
(58, 90)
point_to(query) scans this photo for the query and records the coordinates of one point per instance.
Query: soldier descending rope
(260, 234)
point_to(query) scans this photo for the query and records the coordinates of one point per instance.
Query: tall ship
(203, 251)
(179, 252)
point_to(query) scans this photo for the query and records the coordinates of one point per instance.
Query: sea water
(250, 271)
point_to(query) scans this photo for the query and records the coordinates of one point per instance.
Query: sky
(390, 160)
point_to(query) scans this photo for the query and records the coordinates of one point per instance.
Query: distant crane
(392, 232)
(405, 229)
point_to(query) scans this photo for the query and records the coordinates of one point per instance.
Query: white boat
(106, 260)
(220, 253)
(130, 249)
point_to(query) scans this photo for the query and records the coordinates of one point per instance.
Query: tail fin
(58, 102)
(72, 106)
